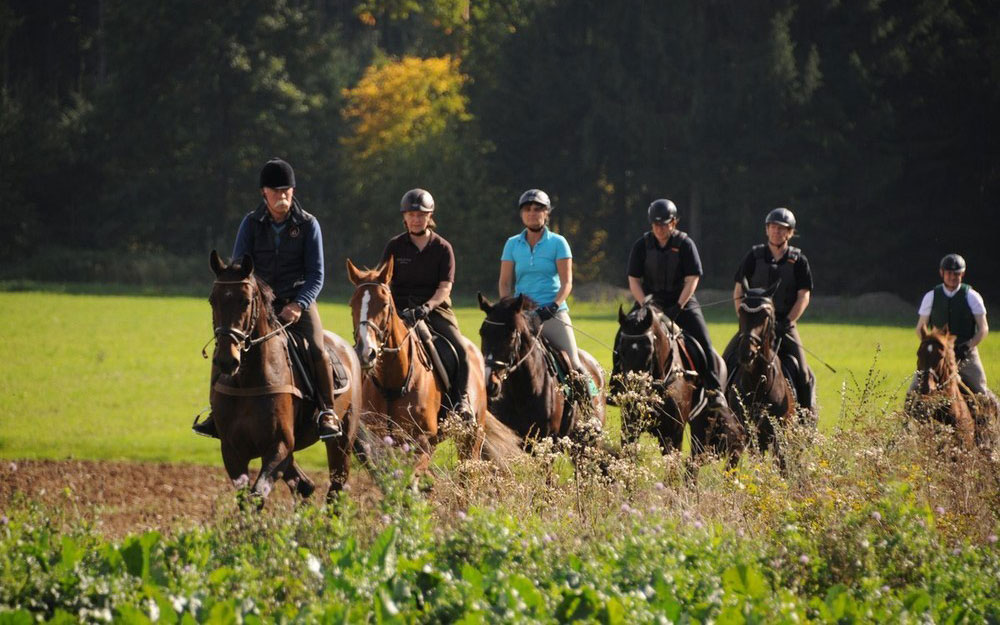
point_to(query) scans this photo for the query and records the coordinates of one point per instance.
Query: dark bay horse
(651, 343)
(939, 394)
(257, 403)
(525, 392)
(758, 391)
(400, 388)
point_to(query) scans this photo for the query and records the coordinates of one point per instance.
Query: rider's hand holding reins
(291, 312)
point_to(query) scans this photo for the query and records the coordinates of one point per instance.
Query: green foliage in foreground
(628, 550)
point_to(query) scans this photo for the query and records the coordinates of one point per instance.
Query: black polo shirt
(688, 264)
(417, 273)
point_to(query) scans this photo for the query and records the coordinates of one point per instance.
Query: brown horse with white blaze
(400, 387)
(259, 409)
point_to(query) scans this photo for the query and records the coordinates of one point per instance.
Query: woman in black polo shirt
(422, 276)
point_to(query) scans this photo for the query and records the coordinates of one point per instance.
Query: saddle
(304, 369)
(441, 353)
(692, 355)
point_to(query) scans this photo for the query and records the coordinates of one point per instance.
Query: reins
(241, 337)
(381, 335)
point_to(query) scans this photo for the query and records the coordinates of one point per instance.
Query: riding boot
(327, 421)
(463, 408)
(207, 427)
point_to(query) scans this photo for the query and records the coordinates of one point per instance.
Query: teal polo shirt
(535, 272)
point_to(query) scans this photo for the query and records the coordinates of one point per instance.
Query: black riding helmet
(417, 200)
(953, 262)
(537, 196)
(782, 217)
(277, 174)
(662, 211)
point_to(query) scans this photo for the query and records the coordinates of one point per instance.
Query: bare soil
(122, 498)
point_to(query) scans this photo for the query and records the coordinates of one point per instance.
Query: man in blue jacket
(286, 245)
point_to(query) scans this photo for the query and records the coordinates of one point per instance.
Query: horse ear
(621, 315)
(247, 266)
(385, 273)
(484, 304)
(353, 273)
(924, 333)
(216, 263)
(519, 302)
(771, 289)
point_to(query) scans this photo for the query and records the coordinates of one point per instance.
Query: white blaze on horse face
(930, 349)
(363, 316)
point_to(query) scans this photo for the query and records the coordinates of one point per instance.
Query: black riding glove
(547, 312)
(421, 311)
(962, 351)
(672, 311)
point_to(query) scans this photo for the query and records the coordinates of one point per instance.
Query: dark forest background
(132, 131)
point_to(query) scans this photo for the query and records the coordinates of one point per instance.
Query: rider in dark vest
(764, 265)
(959, 309)
(664, 265)
(422, 276)
(286, 245)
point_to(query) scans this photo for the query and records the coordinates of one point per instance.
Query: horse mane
(509, 309)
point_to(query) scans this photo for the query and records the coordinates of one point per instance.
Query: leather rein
(242, 337)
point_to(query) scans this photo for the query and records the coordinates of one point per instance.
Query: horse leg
(298, 482)
(273, 463)
(338, 462)
(237, 465)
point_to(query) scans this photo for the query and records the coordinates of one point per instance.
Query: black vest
(766, 272)
(281, 263)
(953, 313)
(661, 274)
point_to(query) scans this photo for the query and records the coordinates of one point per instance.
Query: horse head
(239, 303)
(935, 359)
(503, 333)
(639, 335)
(372, 310)
(756, 324)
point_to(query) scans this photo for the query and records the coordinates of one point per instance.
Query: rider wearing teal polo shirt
(539, 264)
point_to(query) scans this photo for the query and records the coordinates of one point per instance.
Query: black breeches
(805, 385)
(445, 324)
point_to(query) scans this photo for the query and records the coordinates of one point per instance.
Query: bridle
(935, 373)
(381, 336)
(757, 340)
(503, 368)
(242, 336)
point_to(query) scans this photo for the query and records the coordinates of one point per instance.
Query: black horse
(758, 390)
(651, 343)
(524, 388)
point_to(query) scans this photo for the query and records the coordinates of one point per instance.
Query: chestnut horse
(400, 386)
(758, 391)
(651, 343)
(938, 391)
(525, 392)
(257, 403)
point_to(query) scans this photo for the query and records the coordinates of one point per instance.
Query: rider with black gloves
(777, 261)
(422, 276)
(664, 265)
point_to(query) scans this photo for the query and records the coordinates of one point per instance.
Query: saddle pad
(448, 355)
(557, 360)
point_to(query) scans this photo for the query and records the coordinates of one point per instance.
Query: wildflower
(386, 519)
(4, 520)
(740, 532)
(698, 524)
(877, 516)
(405, 447)
(939, 510)
(178, 603)
(387, 440)
(154, 610)
(398, 473)
(992, 538)
(625, 508)
(314, 565)
(804, 559)
(12, 466)
(957, 551)
(461, 515)
(546, 538)
(659, 486)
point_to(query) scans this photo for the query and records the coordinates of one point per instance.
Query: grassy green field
(121, 377)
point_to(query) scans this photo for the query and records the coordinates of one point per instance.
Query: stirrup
(328, 430)
(207, 427)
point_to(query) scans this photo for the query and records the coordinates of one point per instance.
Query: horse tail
(502, 444)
